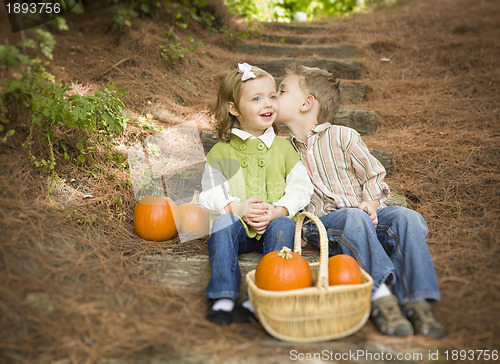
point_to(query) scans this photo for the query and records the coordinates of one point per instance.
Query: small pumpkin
(283, 270)
(155, 217)
(343, 269)
(195, 219)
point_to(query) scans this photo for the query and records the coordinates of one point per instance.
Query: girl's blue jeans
(395, 252)
(228, 239)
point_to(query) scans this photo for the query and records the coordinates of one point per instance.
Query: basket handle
(323, 243)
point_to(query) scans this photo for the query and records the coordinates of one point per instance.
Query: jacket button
(261, 146)
(244, 164)
(262, 163)
(243, 146)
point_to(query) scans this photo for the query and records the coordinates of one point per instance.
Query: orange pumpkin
(155, 217)
(195, 219)
(343, 269)
(283, 270)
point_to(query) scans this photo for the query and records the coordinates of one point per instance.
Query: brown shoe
(387, 316)
(421, 317)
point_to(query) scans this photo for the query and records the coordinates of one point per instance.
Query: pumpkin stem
(285, 253)
(196, 198)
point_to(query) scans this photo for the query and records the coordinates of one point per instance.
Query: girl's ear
(308, 103)
(232, 109)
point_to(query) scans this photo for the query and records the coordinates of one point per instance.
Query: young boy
(387, 241)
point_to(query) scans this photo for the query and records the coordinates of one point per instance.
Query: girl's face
(258, 107)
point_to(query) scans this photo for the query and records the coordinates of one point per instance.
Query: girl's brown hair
(230, 90)
(321, 84)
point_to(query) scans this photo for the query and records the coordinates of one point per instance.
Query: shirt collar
(267, 138)
(321, 127)
(316, 130)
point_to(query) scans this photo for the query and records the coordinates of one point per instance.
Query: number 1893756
(33, 8)
(471, 355)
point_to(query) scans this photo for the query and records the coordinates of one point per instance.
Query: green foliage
(94, 119)
(178, 12)
(284, 10)
(234, 36)
(174, 48)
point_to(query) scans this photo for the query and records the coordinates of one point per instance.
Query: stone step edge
(295, 26)
(294, 39)
(351, 91)
(348, 69)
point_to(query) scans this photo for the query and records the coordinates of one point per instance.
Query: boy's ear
(308, 103)
(232, 109)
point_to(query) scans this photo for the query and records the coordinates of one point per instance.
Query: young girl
(254, 184)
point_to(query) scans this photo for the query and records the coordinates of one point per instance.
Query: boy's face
(290, 98)
(257, 109)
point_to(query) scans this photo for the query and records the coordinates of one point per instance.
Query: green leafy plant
(179, 12)
(174, 49)
(94, 119)
(284, 10)
(232, 37)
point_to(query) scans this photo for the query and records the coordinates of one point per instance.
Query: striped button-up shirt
(342, 170)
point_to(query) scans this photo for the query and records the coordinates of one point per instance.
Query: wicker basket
(317, 313)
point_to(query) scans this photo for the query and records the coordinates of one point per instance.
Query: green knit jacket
(253, 170)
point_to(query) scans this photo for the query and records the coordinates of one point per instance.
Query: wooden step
(340, 68)
(281, 50)
(194, 272)
(209, 139)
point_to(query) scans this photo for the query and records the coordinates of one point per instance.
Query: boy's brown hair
(230, 90)
(321, 84)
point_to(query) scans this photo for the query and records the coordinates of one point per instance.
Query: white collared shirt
(298, 190)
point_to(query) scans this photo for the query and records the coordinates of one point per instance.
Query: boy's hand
(370, 207)
(261, 222)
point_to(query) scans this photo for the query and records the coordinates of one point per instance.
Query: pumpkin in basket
(195, 219)
(343, 269)
(155, 217)
(283, 270)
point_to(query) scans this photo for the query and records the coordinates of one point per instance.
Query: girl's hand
(370, 207)
(260, 223)
(246, 210)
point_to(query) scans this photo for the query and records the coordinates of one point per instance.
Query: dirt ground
(73, 288)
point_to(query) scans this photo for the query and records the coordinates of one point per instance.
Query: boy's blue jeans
(394, 253)
(229, 238)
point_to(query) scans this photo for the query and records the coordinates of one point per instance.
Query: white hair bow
(246, 69)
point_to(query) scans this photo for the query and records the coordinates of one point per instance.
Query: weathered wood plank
(340, 68)
(282, 50)
(194, 272)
